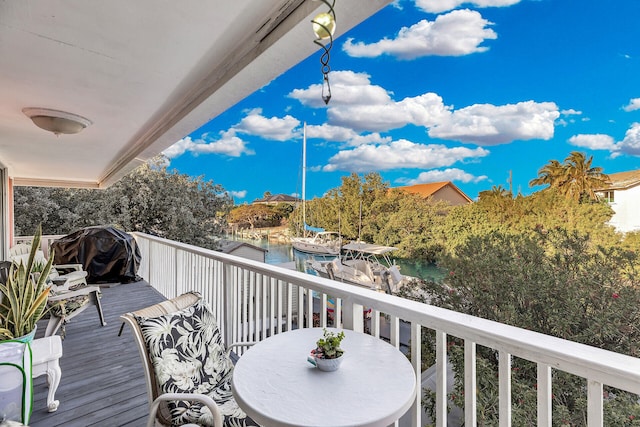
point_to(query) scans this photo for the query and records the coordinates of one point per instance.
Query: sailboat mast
(304, 177)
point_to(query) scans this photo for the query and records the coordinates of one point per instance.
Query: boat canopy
(307, 227)
(368, 248)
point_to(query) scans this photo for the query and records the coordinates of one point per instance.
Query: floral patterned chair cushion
(188, 356)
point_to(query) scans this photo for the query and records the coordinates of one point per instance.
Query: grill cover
(106, 253)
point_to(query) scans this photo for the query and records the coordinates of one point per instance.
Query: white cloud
(370, 138)
(179, 148)
(400, 154)
(454, 34)
(342, 134)
(274, 128)
(629, 145)
(347, 88)
(439, 6)
(566, 118)
(450, 174)
(631, 142)
(482, 124)
(423, 110)
(330, 133)
(228, 145)
(486, 124)
(593, 141)
(240, 194)
(634, 104)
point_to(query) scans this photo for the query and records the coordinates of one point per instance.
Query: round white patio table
(276, 386)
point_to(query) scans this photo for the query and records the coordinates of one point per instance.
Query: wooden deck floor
(102, 382)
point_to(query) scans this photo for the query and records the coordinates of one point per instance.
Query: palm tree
(497, 196)
(552, 174)
(583, 179)
(575, 177)
(497, 192)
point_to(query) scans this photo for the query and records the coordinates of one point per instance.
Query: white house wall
(626, 206)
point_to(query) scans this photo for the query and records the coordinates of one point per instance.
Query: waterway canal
(280, 253)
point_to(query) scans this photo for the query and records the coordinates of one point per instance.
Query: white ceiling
(145, 72)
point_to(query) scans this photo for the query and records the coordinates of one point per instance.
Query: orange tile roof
(430, 188)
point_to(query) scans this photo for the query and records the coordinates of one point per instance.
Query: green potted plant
(327, 355)
(23, 298)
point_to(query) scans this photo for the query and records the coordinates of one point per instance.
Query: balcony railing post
(504, 388)
(441, 379)
(353, 316)
(180, 271)
(595, 409)
(544, 395)
(416, 361)
(470, 384)
(227, 274)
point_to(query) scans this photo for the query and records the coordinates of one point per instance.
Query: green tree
(151, 199)
(408, 222)
(168, 204)
(555, 282)
(32, 206)
(347, 209)
(523, 215)
(255, 215)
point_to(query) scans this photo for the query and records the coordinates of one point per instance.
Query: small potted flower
(327, 355)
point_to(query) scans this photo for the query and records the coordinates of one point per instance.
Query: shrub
(550, 281)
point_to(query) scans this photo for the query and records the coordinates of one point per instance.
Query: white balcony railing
(253, 300)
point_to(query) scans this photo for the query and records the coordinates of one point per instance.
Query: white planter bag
(15, 381)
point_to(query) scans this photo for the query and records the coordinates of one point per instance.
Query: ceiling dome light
(58, 122)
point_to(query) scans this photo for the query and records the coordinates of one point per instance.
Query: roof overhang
(145, 73)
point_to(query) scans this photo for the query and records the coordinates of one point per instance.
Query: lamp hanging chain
(325, 68)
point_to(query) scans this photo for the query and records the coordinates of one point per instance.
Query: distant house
(242, 249)
(445, 191)
(277, 198)
(624, 197)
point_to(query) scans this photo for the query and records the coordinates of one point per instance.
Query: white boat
(322, 243)
(365, 265)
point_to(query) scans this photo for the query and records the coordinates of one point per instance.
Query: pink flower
(615, 295)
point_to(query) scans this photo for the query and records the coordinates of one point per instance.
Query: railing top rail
(605, 366)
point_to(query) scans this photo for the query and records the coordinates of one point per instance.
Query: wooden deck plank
(102, 382)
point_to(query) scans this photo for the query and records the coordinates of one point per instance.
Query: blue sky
(439, 90)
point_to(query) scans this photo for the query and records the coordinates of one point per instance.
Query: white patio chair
(70, 294)
(179, 340)
(74, 273)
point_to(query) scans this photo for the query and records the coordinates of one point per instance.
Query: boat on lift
(363, 264)
(322, 243)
